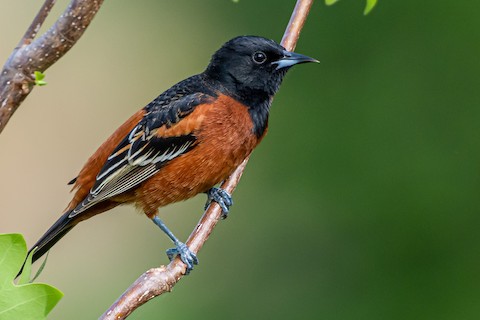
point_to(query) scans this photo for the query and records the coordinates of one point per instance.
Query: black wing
(142, 153)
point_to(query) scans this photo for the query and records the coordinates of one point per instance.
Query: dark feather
(52, 236)
(142, 153)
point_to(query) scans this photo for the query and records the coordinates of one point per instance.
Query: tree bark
(17, 76)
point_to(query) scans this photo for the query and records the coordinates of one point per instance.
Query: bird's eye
(259, 57)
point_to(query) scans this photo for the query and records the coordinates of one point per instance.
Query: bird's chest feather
(225, 137)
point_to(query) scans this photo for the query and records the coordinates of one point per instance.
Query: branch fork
(30, 55)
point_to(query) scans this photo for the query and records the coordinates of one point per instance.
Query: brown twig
(157, 281)
(37, 23)
(295, 25)
(16, 77)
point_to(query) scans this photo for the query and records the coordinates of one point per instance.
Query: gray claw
(187, 256)
(222, 197)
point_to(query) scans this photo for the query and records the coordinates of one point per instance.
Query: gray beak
(291, 58)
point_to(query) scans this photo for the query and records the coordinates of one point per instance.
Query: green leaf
(369, 7)
(26, 301)
(330, 2)
(39, 271)
(39, 78)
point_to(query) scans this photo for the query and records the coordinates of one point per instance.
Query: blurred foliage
(361, 202)
(24, 301)
(368, 7)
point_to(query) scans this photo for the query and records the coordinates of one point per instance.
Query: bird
(185, 142)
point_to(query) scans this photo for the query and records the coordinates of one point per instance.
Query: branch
(37, 23)
(16, 77)
(157, 281)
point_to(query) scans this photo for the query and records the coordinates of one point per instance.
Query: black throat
(258, 104)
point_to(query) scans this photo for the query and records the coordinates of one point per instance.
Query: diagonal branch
(157, 281)
(37, 23)
(16, 77)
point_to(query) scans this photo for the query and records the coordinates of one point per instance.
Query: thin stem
(295, 25)
(37, 23)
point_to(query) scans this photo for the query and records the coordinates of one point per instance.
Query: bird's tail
(55, 233)
(48, 240)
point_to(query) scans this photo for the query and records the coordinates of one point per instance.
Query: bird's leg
(222, 197)
(187, 256)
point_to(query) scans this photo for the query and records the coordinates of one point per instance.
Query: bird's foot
(187, 256)
(222, 197)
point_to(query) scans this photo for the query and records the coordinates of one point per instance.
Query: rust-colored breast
(86, 177)
(224, 139)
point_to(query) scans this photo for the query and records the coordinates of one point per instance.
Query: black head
(251, 69)
(251, 64)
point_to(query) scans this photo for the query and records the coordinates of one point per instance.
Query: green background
(361, 203)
